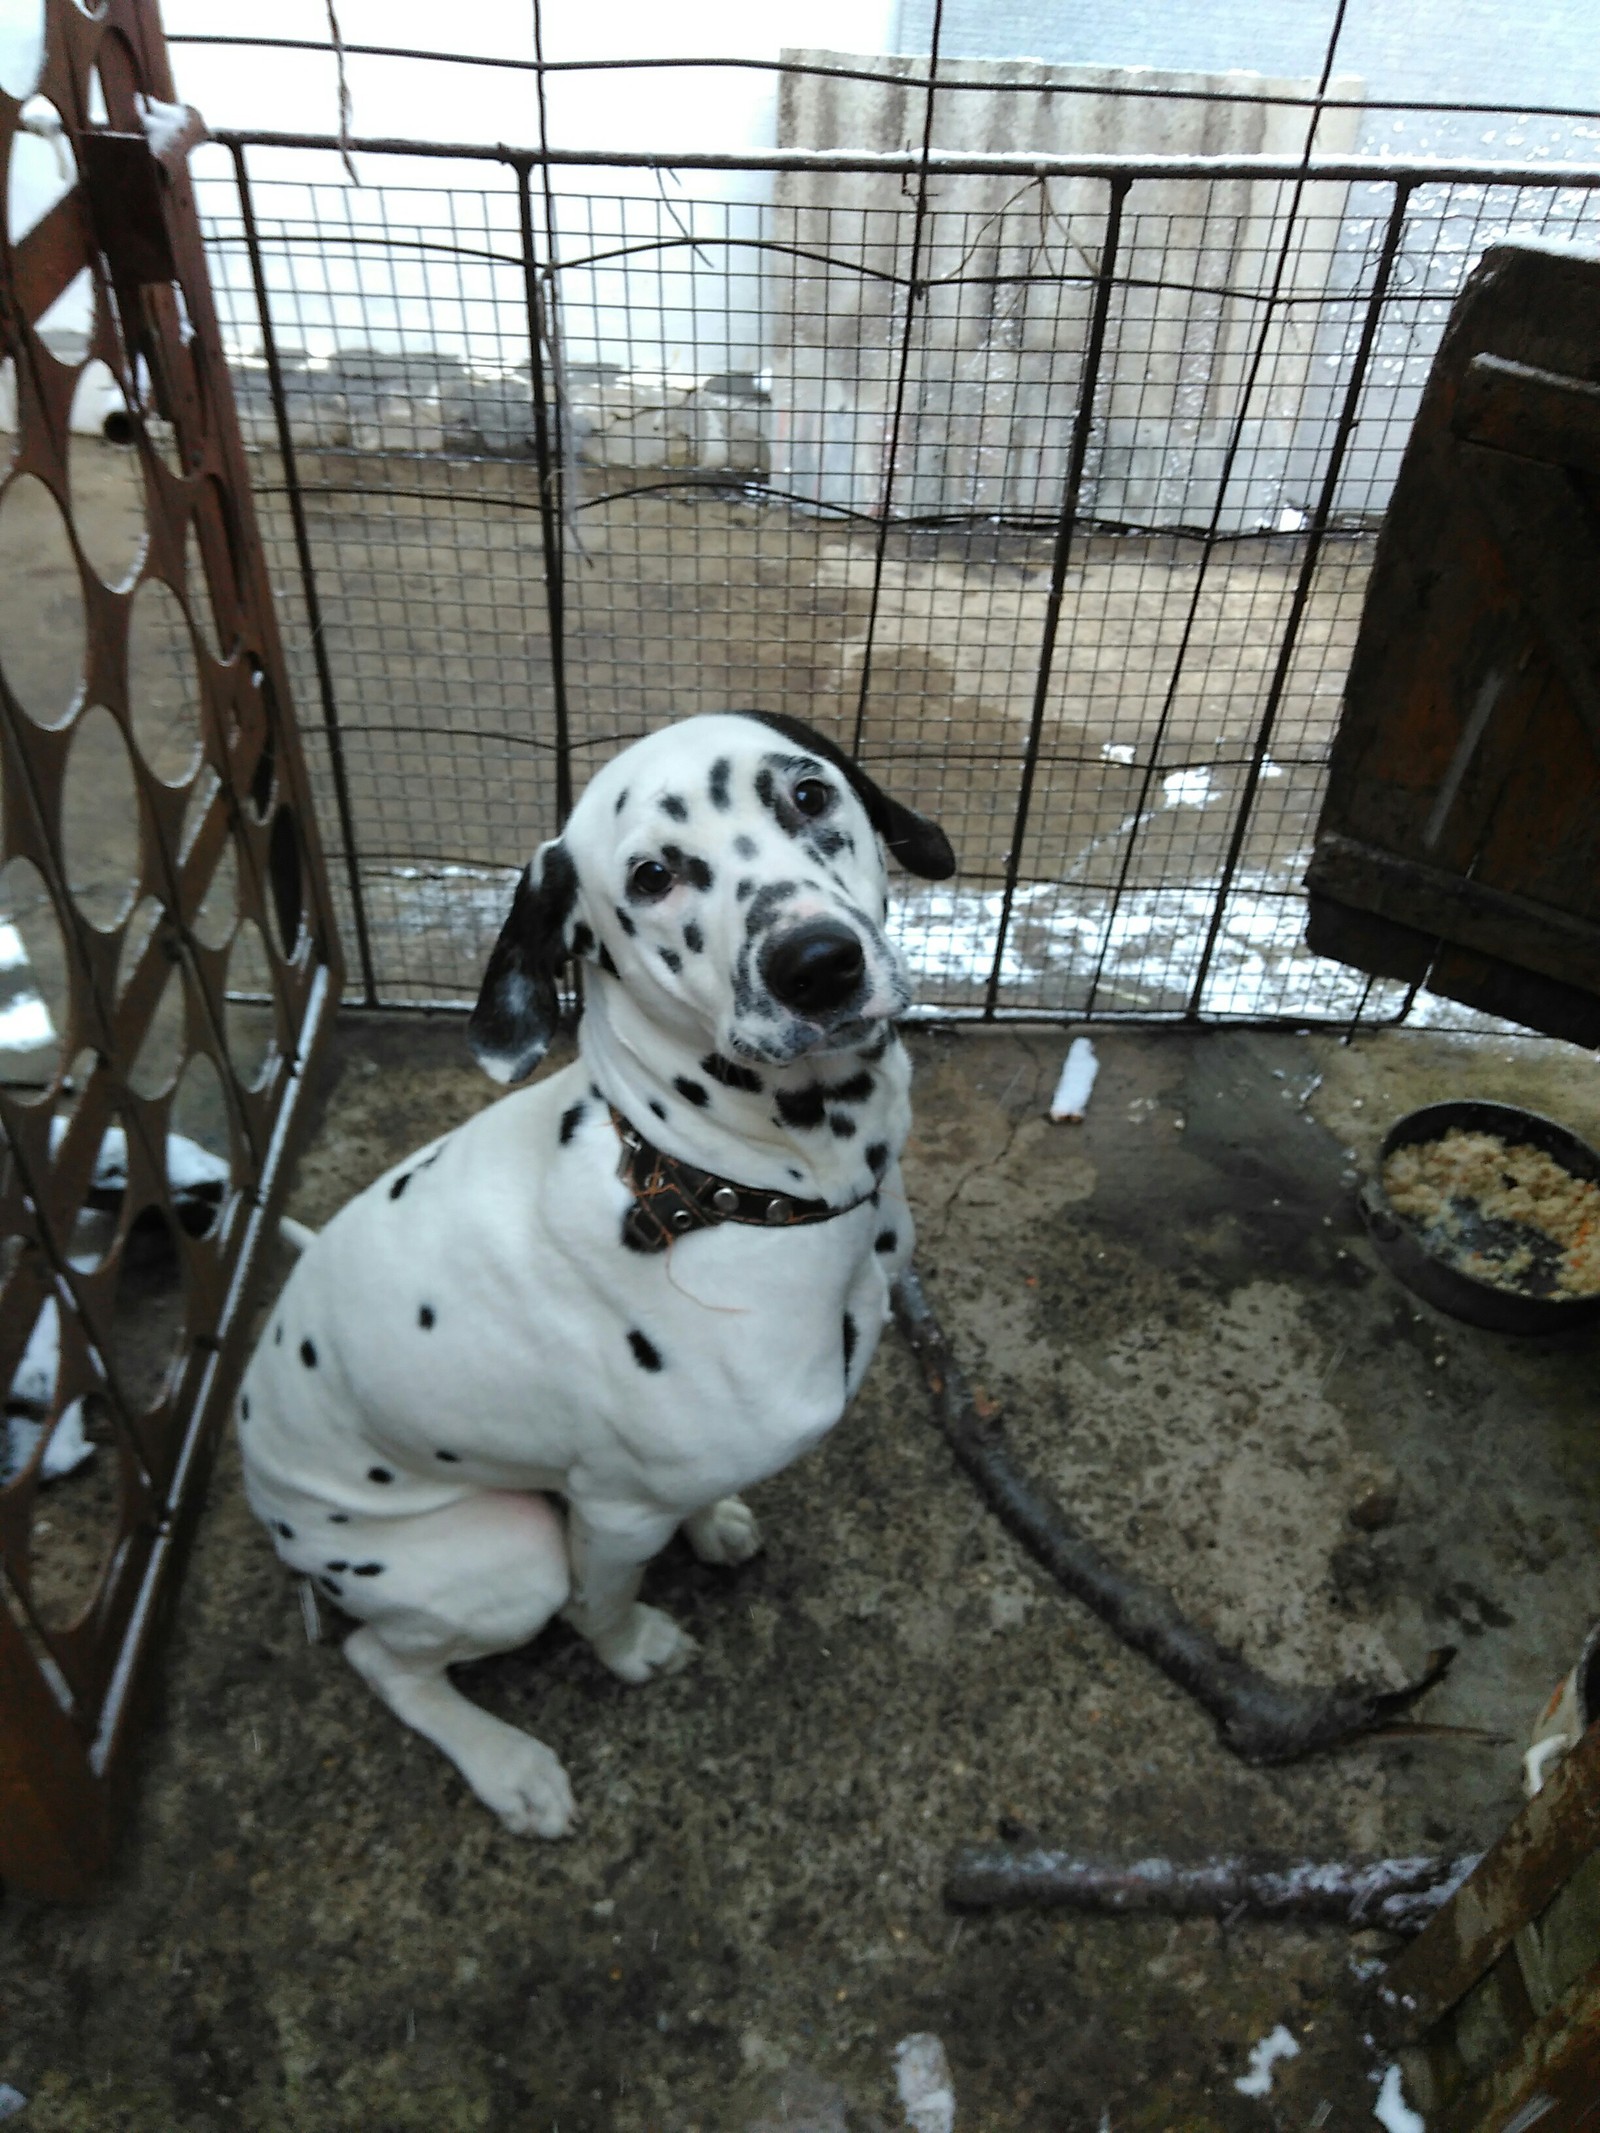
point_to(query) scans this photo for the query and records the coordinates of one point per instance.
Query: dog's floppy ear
(920, 845)
(518, 1007)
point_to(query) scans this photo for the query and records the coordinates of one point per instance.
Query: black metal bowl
(1403, 1250)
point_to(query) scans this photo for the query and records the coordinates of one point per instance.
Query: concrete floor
(312, 1925)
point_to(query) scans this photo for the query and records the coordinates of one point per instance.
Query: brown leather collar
(671, 1198)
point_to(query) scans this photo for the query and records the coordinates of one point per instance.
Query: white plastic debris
(1278, 2044)
(1076, 1085)
(11, 2100)
(922, 2076)
(1392, 2111)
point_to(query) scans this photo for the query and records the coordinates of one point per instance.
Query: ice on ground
(1257, 2081)
(1068, 949)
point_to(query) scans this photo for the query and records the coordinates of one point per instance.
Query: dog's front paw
(645, 1643)
(725, 1532)
(524, 1784)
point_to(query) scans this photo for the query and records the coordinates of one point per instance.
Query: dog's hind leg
(477, 1577)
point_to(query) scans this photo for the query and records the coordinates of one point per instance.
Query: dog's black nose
(817, 966)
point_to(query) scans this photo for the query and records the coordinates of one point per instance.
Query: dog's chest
(495, 1328)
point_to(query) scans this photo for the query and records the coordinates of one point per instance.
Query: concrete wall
(1009, 271)
(1539, 52)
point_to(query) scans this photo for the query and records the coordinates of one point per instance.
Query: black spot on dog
(244, 1407)
(331, 1585)
(729, 1074)
(766, 906)
(608, 962)
(803, 1108)
(721, 771)
(672, 959)
(336, 1567)
(843, 1125)
(885, 1241)
(645, 1353)
(746, 847)
(338, 1518)
(825, 840)
(673, 806)
(449, 1458)
(582, 939)
(308, 1355)
(877, 1159)
(283, 1532)
(625, 922)
(693, 939)
(879, 1045)
(849, 1342)
(425, 1317)
(660, 1110)
(277, 1335)
(692, 1092)
(744, 889)
(368, 1570)
(622, 799)
(854, 1091)
(379, 1473)
(571, 1120)
(400, 1184)
(796, 1174)
(767, 791)
(687, 867)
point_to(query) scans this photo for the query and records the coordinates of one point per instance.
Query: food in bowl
(1500, 1212)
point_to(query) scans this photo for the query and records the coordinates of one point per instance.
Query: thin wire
(346, 109)
(1272, 98)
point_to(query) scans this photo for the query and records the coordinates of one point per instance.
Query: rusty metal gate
(187, 985)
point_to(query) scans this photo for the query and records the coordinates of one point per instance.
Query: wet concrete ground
(312, 1925)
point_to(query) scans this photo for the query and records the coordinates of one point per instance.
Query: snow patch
(1278, 2044)
(922, 2077)
(1392, 2111)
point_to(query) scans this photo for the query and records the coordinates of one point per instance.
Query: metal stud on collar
(726, 1201)
(779, 1209)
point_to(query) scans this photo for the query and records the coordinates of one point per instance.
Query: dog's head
(729, 873)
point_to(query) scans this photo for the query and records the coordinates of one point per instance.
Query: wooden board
(1459, 846)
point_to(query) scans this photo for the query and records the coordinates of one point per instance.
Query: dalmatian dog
(504, 1375)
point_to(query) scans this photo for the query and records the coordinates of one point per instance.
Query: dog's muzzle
(816, 968)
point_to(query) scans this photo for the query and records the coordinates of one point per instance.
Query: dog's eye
(813, 796)
(649, 881)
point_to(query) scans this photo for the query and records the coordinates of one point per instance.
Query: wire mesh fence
(1052, 491)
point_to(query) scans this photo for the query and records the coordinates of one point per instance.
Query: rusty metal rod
(1260, 1720)
(1398, 1894)
(1008, 163)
